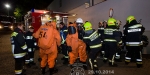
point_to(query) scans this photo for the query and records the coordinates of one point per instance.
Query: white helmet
(79, 20)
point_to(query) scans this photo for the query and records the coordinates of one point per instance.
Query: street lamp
(7, 6)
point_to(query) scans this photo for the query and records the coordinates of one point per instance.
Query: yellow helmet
(111, 22)
(130, 18)
(88, 26)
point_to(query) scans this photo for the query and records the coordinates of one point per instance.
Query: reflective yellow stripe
(92, 34)
(85, 37)
(120, 42)
(136, 26)
(19, 55)
(65, 30)
(24, 47)
(112, 40)
(95, 46)
(14, 34)
(18, 71)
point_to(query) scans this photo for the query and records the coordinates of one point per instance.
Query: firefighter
(101, 32)
(92, 38)
(111, 40)
(133, 44)
(31, 43)
(76, 47)
(19, 48)
(48, 40)
(119, 48)
(63, 34)
(80, 29)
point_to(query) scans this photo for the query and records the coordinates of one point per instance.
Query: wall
(66, 5)
(122, 8)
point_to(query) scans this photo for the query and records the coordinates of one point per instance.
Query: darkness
(26, 5)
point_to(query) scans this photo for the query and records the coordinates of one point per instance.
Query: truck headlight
(0, 27)
(11, 27)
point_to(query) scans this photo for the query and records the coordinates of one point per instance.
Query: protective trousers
(118, 53)
(80, 51)
(92, 58)
(135, 51)
(19, 64)
(64, 50)
(48, 56)
(110, 50)
(30, 56)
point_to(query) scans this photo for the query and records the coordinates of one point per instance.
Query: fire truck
(36, 18)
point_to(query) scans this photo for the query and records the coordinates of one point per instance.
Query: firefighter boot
(139, 65)
(84, 65)
(112, 64)
(51, 70)
(43, 70)
(66, 61)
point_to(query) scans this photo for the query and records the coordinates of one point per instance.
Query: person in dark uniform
(133, 32)
(31, 43)
(92, 39)
(63, 34)
(111, 41)
(19, 48)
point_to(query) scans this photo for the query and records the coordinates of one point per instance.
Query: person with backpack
(48, 40)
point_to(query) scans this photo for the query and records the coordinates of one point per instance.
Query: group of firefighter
(78, 41)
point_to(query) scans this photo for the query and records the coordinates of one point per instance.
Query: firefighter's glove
(69, 49)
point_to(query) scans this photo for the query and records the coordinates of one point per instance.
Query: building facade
(98, 10)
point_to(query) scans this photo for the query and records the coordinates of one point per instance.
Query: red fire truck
(36, 17)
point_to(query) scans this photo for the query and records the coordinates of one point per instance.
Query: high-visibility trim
(128, 58)
(111, 40)
(18, 71)
(24, 47)
(105, 58)
(138, 59)
(95, 65)
(35, 44)
(103, 52)
(65, 31)
(139, 62)
(96, 46)
(133, 42)
(63, 40)
(136, 26)
(29, 50)
(14, 34)
(31, 59)
(13, 48)
(85, 37)
(19, 55)
(134, 30)
(120, 42)
(95, 60)
(91, 63)
(29, 37)
(101, 28)
(66, 56)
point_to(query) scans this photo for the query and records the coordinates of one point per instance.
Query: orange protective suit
(78, 47)
(48, 55)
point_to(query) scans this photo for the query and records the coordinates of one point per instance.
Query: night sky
(37, 4)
